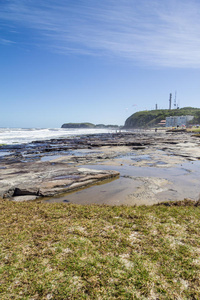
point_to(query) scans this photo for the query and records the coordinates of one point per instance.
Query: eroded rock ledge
(56, 182)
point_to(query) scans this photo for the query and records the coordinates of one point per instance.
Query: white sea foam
(11, 136)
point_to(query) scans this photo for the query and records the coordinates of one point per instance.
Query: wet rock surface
(49, 168)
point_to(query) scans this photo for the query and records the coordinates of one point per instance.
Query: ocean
(9, 136)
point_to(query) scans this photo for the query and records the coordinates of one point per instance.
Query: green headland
(151, 118)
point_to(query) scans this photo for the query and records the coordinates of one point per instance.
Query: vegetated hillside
(78, 125)
(149, 118)
(87, 125)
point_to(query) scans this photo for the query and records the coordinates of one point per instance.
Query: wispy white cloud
(149, 32)
(6, 42)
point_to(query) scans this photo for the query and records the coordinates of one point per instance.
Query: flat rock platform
(133, 167)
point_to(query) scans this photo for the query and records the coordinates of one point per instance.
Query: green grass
(64, 251)
(193, 129)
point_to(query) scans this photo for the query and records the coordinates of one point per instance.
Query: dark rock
(21, 191)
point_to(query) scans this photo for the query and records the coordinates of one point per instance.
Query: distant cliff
(149, 118)
(87, 125)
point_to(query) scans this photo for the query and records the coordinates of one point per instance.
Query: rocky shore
(50, 168)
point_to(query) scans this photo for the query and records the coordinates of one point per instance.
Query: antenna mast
(170, 101)
(175, 101)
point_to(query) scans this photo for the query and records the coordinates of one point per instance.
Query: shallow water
(50, 157)
(183, 183)
(4, 153)
(79, 153)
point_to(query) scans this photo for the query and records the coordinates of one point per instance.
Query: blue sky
(96, 61)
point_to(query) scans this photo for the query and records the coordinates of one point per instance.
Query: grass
(193, 129)
(65, 251)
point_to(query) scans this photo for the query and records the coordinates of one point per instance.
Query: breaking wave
(11, 136)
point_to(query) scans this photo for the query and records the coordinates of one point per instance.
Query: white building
(178, 121)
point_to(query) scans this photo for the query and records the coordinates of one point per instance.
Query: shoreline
(53, 167)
